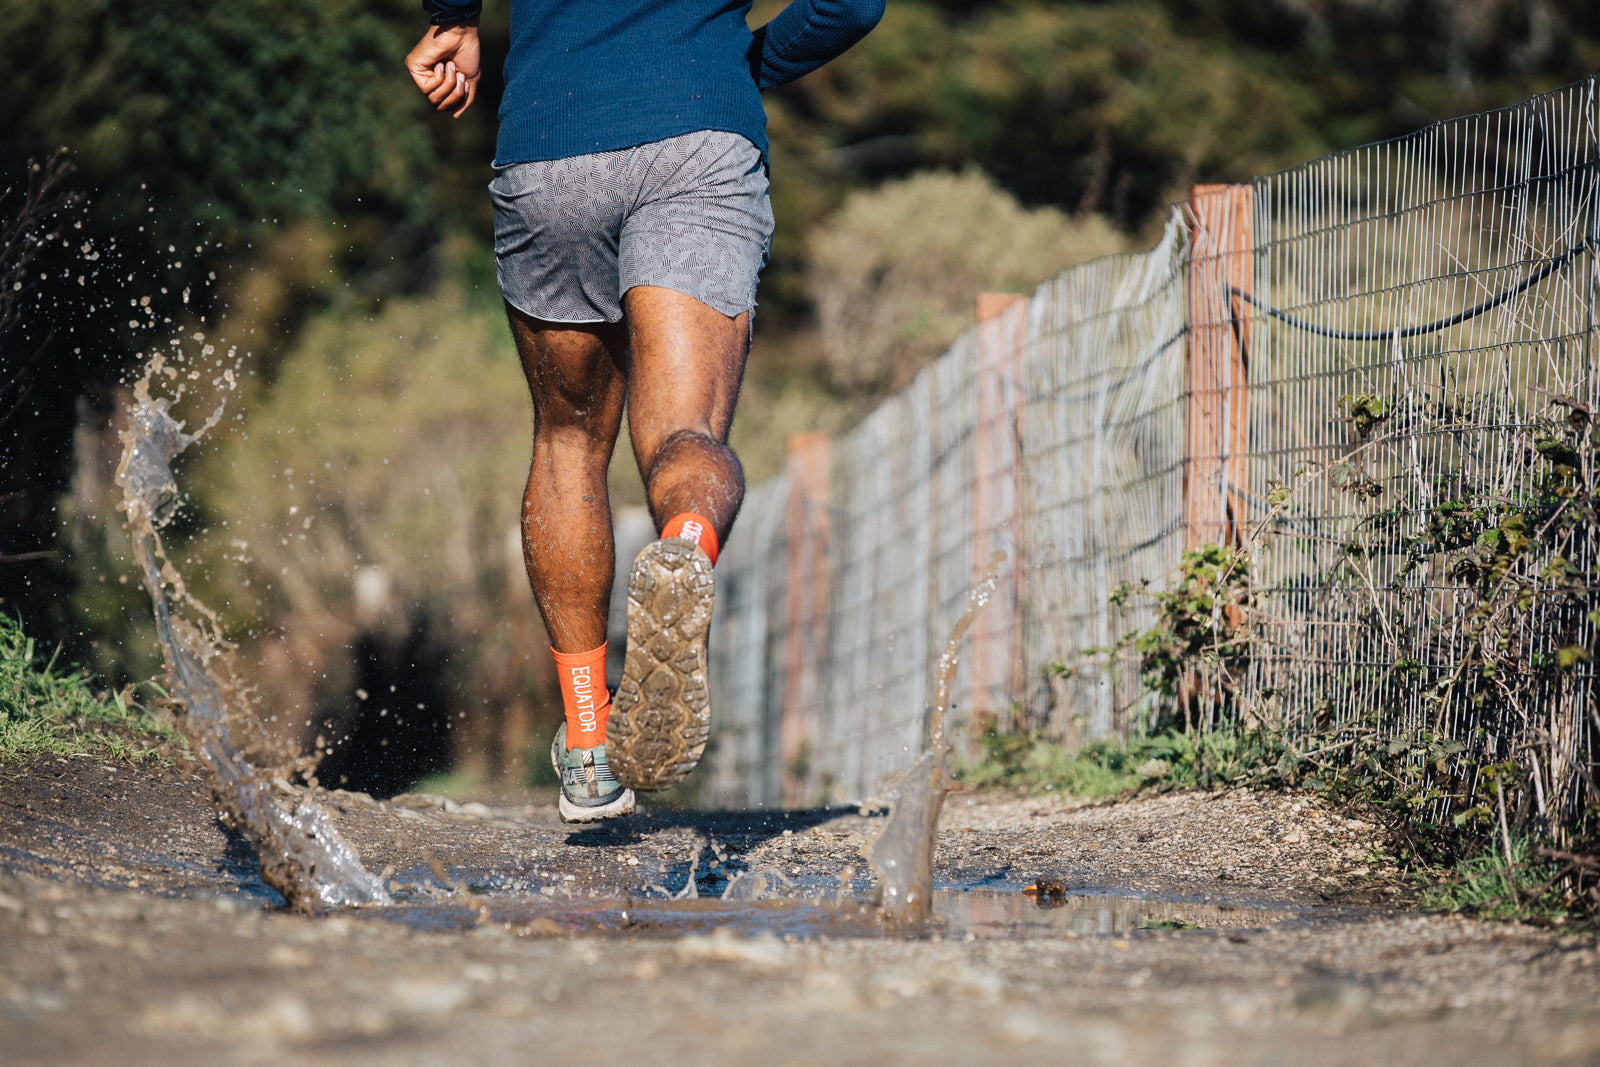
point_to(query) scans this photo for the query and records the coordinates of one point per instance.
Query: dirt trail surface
(1195, 929)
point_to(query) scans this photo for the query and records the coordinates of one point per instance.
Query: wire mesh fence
(1369, 377)
(1442, 287)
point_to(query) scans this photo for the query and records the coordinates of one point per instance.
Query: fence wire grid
(1325, 368)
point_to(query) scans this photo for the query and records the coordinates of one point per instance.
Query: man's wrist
(451, 15)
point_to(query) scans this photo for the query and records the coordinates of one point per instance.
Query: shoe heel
(661, 717)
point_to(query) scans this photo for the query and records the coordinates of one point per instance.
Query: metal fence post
(809, 462)
(1218, 357)
(997, 491)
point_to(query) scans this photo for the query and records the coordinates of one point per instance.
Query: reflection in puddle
(977, 914)
(641, 917)
(1012, 915)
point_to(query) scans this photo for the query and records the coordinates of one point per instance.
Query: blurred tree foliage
(895, 270)
(200, 131)
(234, 115)
(1118, 107)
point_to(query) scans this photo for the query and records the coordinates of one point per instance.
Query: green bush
(895, 272)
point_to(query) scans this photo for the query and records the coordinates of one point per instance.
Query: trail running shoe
(588, 790)
(661, 715)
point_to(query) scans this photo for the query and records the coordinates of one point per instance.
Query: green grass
(1483, 885)
(453, 784)
(46, 709)
(1098, 770)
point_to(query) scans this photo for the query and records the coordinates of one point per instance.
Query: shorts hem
(562, 321)
(719, 308)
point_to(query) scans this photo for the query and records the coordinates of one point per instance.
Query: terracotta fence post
(996, 652)
(1218, 359)
(809, 462)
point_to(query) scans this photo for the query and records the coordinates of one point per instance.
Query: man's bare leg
(686, 360)
(575, 374)
(686, 363)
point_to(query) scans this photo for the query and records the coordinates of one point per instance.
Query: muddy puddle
(956, 913)
(806, 904)
(1013, 916)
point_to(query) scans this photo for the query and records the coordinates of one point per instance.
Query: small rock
(762, 952)
(289, 956)
(423, 995)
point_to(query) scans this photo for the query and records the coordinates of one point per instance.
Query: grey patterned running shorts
(689, 213)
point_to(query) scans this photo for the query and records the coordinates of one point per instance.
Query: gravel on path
(132, 930)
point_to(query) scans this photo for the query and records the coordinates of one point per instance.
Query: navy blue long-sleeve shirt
(597, 75)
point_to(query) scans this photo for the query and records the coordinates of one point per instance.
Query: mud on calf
(394, 726)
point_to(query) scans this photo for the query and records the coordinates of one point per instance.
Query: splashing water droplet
(302, 855)
(902, 855)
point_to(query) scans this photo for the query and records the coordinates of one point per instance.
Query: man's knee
(696, 447)
(584, 416)
(583, 443)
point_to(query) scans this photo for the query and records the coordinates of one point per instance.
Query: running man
(631, 223)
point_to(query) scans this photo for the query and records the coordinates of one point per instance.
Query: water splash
(902, 855)
(302, 856)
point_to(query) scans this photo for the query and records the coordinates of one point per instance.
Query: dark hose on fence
(1549, 267)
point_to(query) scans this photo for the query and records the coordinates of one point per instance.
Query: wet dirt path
(133, 928)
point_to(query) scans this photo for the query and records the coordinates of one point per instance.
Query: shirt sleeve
(807, 34)
(448, 12)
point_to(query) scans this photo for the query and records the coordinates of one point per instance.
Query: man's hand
(445, 66)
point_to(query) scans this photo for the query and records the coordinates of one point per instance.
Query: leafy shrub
(894, 272)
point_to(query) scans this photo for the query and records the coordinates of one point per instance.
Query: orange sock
(583, 695)
(696, 528)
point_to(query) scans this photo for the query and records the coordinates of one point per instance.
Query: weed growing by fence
(1174, 758)
(1484, 812)
(1497, 883)
(1502, 754)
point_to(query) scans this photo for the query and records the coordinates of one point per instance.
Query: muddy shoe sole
(661, 715)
